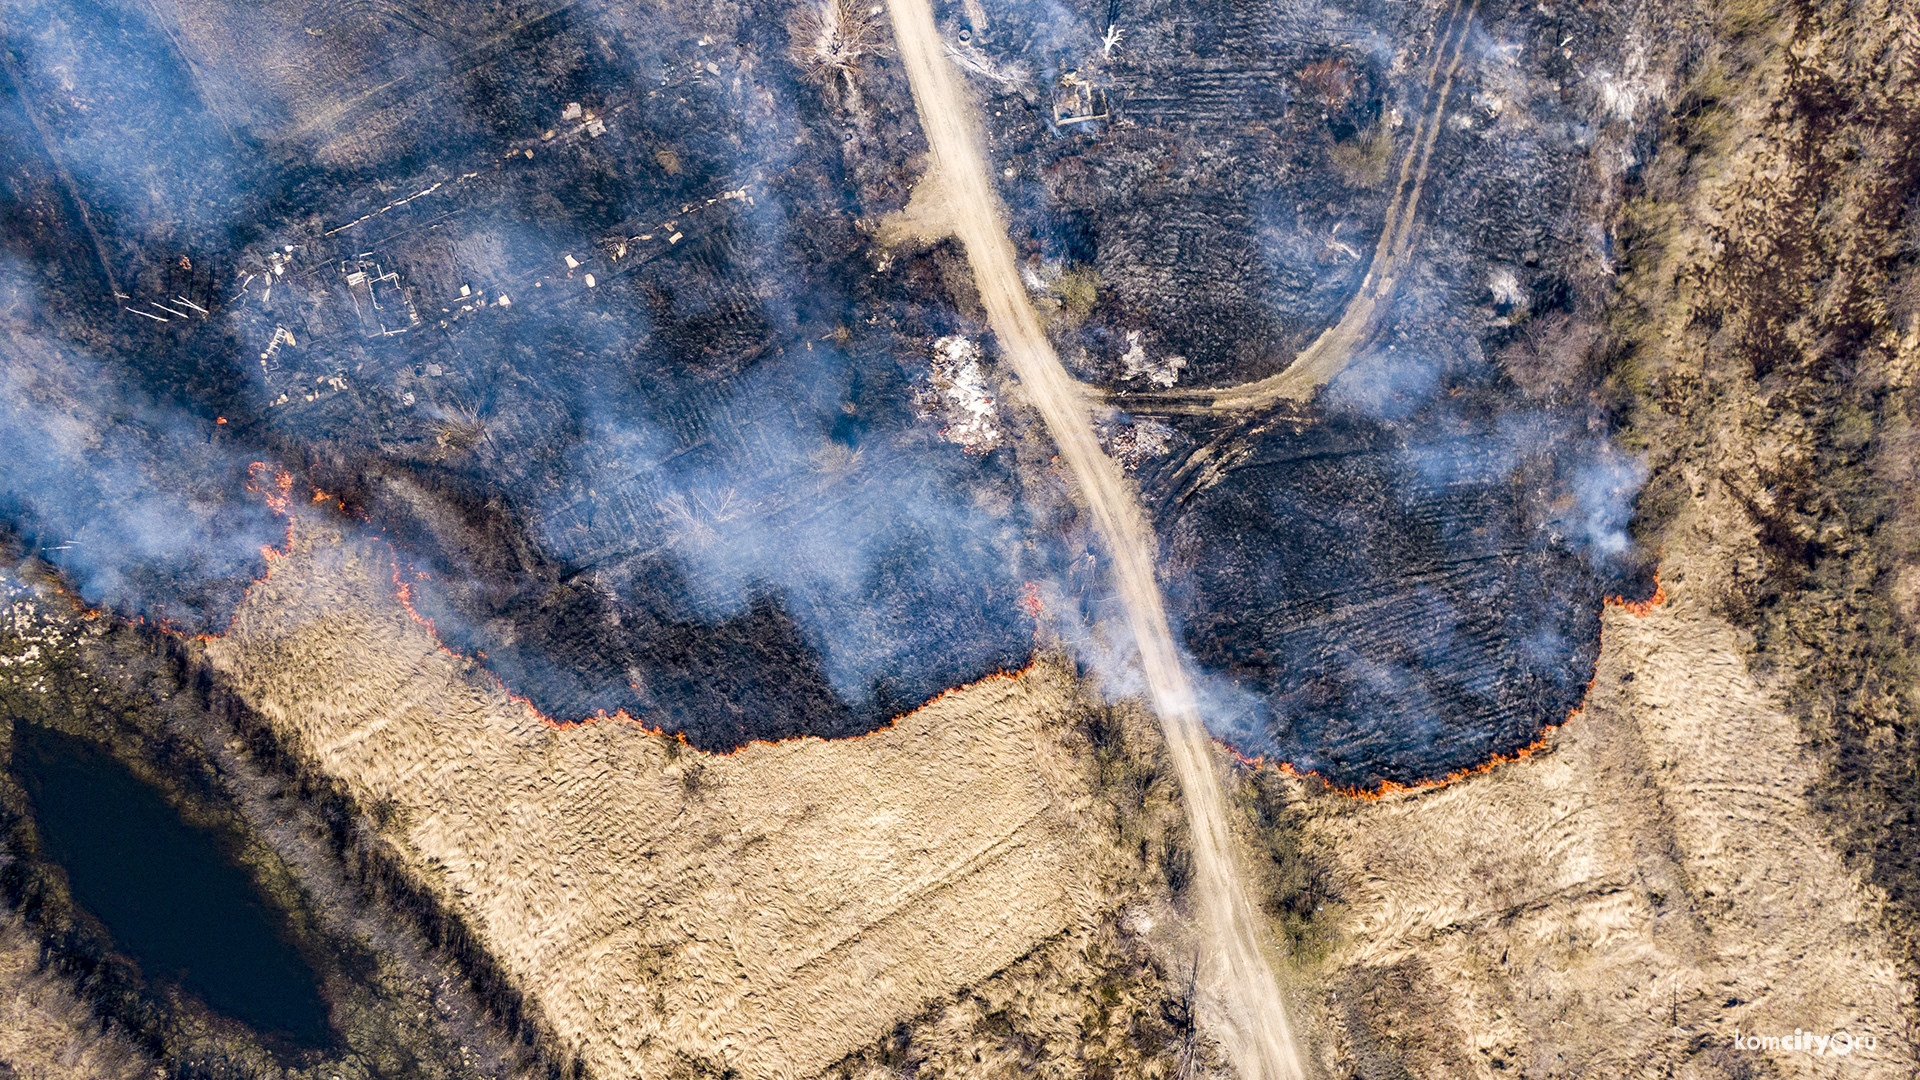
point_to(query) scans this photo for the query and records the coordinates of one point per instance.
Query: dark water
(163, 888)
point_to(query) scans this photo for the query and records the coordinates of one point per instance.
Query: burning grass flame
(1639, 609)
(276, 487)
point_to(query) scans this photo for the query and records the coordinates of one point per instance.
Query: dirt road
(1257, 1034)
(1334, 349)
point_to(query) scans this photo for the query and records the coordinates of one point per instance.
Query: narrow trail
(1330, 353)
(1257, 1034)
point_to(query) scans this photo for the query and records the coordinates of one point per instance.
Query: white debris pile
(1628, 94)
(1163, 372)
(1131, 440)
(1039, 275)
(957, 396)
(1619, 96)
(1506, 289)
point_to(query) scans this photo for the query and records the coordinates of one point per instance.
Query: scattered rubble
(1162, 372)
(1132, 440)
(957, 394)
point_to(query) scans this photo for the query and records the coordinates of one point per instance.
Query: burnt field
(1402, 577)
(578, 307)
(1406, 606)
(575, 316)
(370, 372)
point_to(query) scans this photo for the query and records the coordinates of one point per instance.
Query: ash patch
(1160, 371)
(956, 396)
(1406, 606)
(519, 321)
(1135, 440)
(794, 554)
(549, 320)
(133, 500)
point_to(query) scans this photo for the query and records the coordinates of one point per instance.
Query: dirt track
(1258, 1035)
(1330, 353)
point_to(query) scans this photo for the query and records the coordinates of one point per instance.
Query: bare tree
(830, 37)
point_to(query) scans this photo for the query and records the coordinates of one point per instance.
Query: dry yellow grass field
(768, 911)
(1618, 904)
(46, 1031)
(1621, 903)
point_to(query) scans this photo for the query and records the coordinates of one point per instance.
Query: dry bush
(830, 37)
(1078, 289)
(1329, 81)
(1363, 160)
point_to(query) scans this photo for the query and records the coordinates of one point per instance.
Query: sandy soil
(1256, 1029)
(768, 911)
(1623, 902)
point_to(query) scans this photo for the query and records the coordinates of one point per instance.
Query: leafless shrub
(695, 519)
(830, 37)
(457, 432)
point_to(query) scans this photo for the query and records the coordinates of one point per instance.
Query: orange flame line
(1639, 609)
(403, 592)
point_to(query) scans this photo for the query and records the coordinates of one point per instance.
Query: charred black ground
(1438, 599)
(578, 306)
(1408, 572)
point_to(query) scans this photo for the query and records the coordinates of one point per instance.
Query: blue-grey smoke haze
(137, 502)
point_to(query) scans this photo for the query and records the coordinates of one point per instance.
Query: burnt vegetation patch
(502, 239)
(1405, 609)
(576, 306)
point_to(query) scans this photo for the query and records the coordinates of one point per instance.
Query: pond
(165, 890)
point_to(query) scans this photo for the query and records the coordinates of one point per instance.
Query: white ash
(1162, 372)
(1132, 440)
(1506, 289)
(958, 397)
